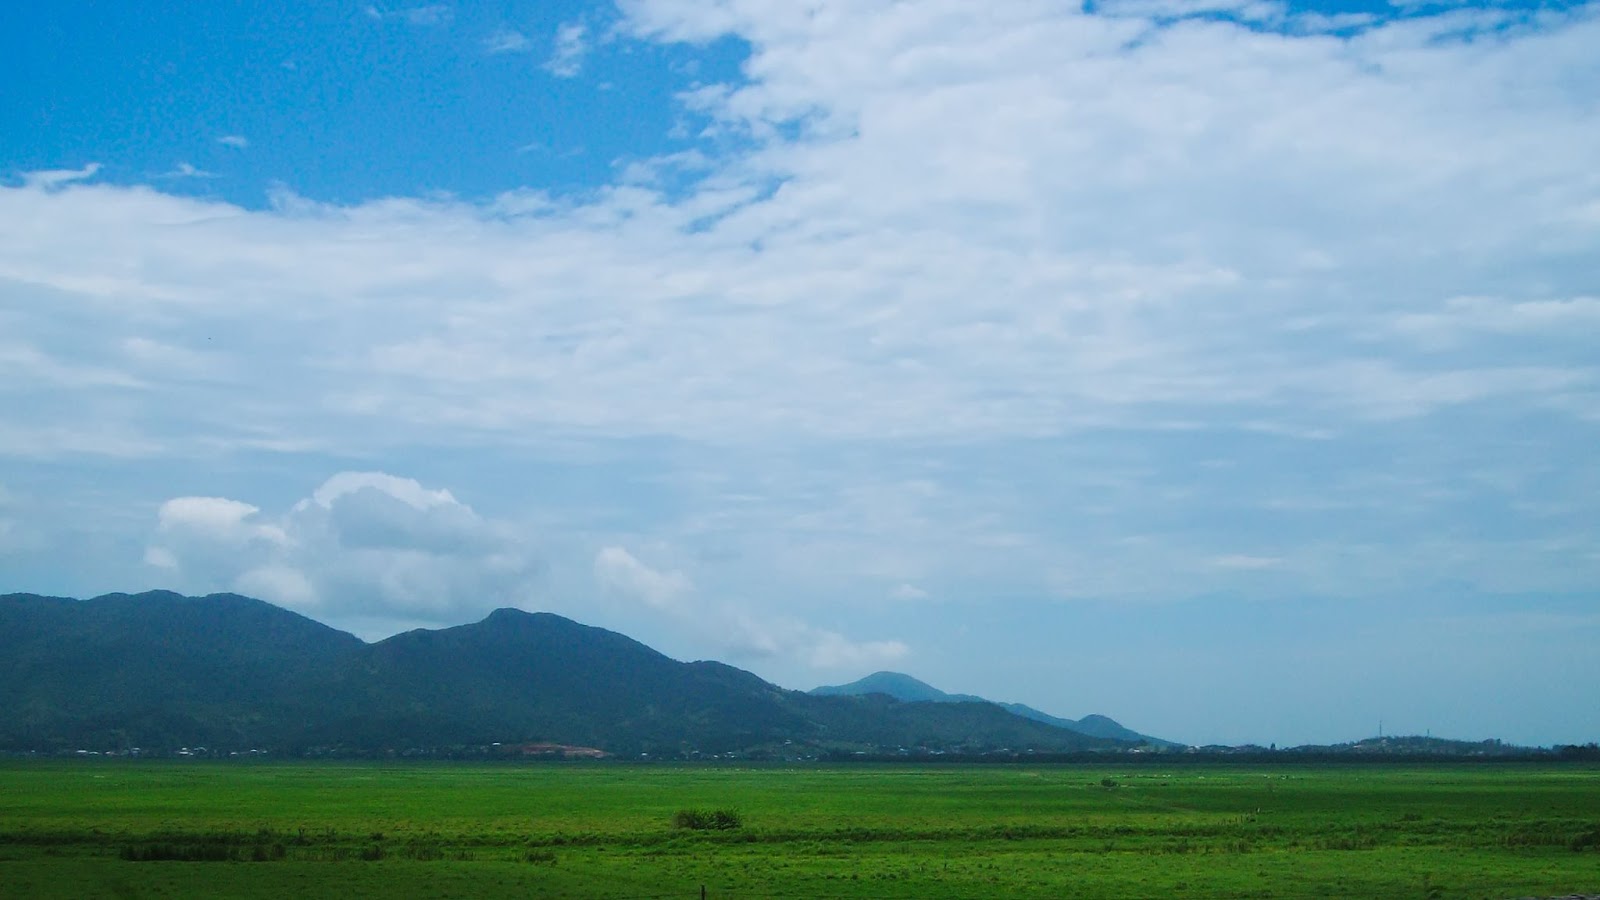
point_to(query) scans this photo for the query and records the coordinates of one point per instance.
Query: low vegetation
(194, 828)
(707, 819)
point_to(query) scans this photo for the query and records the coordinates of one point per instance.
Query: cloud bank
(364, 548)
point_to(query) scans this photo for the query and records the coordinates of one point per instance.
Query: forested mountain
(159, 670)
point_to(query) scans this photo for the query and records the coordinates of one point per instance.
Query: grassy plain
(130, 829)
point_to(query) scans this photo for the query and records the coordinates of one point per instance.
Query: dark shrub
(707, 820)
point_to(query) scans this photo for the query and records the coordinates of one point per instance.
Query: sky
(1228, 367)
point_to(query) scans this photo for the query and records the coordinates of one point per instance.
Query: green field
(171, 829)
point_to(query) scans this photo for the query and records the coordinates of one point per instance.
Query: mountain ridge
(907, 688)
(162, 669)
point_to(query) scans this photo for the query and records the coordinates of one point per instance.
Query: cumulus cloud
(363, 546)
(215, 540)
(236, 141)
(216, 517)
(404, 490)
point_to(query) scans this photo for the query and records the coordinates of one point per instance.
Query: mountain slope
(157, 668)
(540, 677)
(162, 670)
(879, 721)
(906, 688)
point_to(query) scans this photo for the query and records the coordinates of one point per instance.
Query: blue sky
(1226, 367)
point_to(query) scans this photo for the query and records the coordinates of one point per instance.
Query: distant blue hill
(906, 689)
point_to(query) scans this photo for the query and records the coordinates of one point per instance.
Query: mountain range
(909, 690)
(161, 670)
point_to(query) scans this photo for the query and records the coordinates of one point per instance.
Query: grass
(176, 829)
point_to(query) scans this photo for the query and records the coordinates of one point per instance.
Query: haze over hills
(162, 670)
(908, 689)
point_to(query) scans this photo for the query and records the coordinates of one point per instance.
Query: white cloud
(946, 228)
(742, 631)
(816, 647)
(406, 490)
(236, 141)
(49, 179)
(904, 591)
(366, 546)
(616, 569)
(284, 584)
(212, 540)
(217, 518)
(187, 170)
(996, 225)
(506, 40)
(571, 45)
(1244, 10)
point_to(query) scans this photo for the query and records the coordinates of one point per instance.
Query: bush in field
(707, 820)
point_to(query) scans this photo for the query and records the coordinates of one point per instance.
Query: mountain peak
(522, 621)
(898, 685)
(507, 615)
(893, 682)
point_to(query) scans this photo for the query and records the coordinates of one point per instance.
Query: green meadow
(180, 829)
